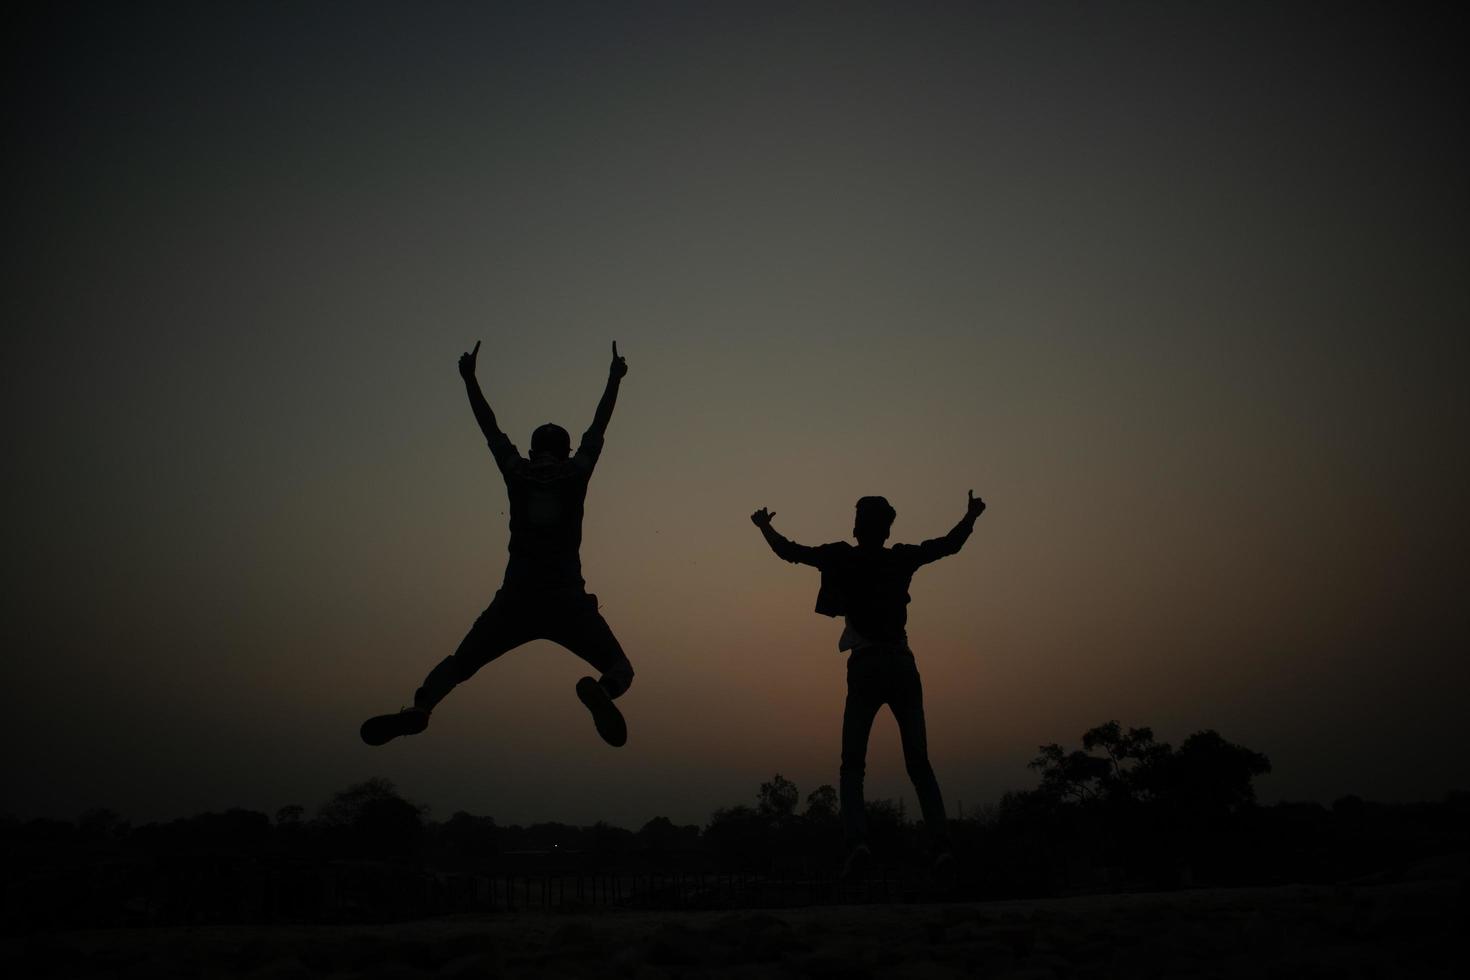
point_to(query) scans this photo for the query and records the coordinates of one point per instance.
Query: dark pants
(876, 678)
(516, 617)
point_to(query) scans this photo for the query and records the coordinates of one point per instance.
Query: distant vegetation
(1122, 812)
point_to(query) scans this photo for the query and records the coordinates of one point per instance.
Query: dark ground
(1412, 927)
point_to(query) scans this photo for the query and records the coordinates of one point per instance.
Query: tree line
(1122, 811)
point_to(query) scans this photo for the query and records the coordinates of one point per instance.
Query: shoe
(605, 714)
(858, 860)
(385, 728)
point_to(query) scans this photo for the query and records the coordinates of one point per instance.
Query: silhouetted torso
(546, 501)
(870, 586)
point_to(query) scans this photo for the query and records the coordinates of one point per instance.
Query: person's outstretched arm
(615, 373)
(937, 548)
(499, 442)
(784, 548)
(591, 446)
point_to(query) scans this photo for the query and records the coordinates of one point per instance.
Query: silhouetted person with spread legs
(543, 595)
(869, 586)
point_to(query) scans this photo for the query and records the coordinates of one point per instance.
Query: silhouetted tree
(1135, 768)
(886, 823)
(737, 832)
(1131, 757)
(469, 837)
(777, 800)
(1210, 774)
(373, 819)
(1141, 802)
(1074, 776)
(822, 805)
(607, 841)
(661, 838)
(101, 824)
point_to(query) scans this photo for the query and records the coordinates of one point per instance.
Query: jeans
(876, 677)
(567, 617)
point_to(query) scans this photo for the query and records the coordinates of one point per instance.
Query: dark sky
(1180, 289)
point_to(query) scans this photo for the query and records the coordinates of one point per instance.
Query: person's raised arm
(937, 548)
(784, 548)
(603, 415)
(499, 442)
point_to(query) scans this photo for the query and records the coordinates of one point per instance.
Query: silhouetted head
(551, 442)
(874, 519)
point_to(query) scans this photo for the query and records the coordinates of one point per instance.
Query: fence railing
(677, 890)
(227, 892)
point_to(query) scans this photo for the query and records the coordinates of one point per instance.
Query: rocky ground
(1408, 929)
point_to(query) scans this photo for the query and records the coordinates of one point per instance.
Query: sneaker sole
(383, 729)
(605, 714)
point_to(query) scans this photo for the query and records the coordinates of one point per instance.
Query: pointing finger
(476, 350)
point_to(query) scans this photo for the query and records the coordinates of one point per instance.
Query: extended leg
(907, 702)
(497, 630)
(857, 724)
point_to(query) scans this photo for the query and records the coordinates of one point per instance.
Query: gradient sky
(1180, 289)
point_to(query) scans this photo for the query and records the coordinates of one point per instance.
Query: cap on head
(874, 518)
(551, 440)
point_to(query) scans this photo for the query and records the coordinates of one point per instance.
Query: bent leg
(857, 725)
(907, 702)
(498, 629)
(582, 630)
(576, 624)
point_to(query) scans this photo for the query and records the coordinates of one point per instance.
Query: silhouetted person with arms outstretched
(543, 595)
(869, 586)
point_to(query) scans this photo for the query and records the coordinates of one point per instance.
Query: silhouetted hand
(467, 363)
(975, 507)
(762, 518)
(619, 364)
